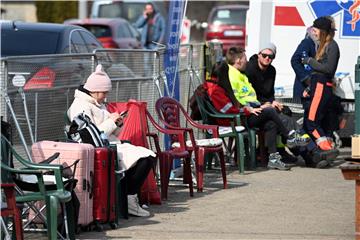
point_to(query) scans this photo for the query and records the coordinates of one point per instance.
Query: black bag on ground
(82, 130)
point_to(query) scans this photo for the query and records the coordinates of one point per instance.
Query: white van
(284, 23)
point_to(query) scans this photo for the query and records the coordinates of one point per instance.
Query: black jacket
(307, 45)
(262, 81)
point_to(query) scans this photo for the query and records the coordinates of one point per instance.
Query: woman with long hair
(324, 66)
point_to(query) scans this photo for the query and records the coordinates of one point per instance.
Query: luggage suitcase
(104, 187)
(70, 152)
(120, 190)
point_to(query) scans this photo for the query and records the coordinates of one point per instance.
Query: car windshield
(22, 42)
(99, 30)
(229, 17)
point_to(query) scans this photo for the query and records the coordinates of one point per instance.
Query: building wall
(17, 10)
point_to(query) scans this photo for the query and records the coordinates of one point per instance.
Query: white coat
(127, 153)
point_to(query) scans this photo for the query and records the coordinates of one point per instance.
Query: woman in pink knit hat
(137, 161)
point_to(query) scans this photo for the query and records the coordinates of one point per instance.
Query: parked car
(111, 32)
(22, 38)
(226, 24)
(49, 78)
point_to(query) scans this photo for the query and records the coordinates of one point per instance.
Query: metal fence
(40, 89)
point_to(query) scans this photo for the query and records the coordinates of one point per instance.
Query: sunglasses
(270, 56)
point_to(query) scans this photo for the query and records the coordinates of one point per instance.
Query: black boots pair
(319, 158)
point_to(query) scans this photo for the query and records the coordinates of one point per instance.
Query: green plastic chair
(208, 113)
(52, 198)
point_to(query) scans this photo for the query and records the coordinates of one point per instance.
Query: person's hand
(306, 92)
(120, 122)
(145, 14)
(266, 105)
(277, 105)
(305, 60)
(115, 116)
(255, 111)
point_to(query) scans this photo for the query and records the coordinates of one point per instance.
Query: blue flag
(176, 10)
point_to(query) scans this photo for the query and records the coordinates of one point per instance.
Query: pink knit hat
(98, 81)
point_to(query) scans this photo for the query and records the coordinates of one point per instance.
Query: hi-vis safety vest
(243, 90)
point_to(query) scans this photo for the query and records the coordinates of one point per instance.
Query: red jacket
(220, 101)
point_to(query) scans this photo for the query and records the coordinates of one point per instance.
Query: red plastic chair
(169, 111)
(166, 157)
(136, 130)
(11, 209)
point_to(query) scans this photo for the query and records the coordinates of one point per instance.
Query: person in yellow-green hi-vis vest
(262, 116)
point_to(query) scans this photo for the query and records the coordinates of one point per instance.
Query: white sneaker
(134, 207)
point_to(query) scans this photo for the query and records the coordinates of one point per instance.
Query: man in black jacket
(261, 74)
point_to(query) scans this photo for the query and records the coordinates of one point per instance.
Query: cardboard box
(355, 146)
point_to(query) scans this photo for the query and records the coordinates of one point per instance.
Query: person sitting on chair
(226, 100)
(262, 74)
(137, 161)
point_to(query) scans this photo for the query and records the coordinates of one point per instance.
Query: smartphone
(123, 114)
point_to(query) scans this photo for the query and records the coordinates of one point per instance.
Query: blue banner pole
(176, 10)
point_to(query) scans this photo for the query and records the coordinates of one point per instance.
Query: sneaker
(296, 139)
(134, 207)
(276, 163)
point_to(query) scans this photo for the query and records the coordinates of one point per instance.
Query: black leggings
(269, 121)
(136, 175)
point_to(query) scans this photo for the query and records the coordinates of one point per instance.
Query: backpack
(200, 91)
(82, 130)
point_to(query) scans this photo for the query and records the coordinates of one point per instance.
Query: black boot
(322, 159)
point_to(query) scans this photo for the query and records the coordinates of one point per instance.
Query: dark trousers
(136, 175)
(320, 101)
(269, 121)
(333, 111)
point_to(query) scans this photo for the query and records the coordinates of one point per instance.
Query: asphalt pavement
(304, 203)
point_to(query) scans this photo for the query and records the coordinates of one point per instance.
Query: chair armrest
(180, 133)
(156, 141)
(213, 128)
(56, 169)
(37, 173)
(7, 185)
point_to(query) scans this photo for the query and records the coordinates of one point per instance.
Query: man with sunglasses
(261, 74)
(240, 92)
